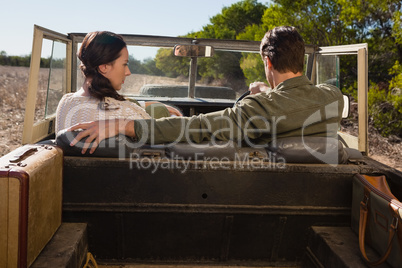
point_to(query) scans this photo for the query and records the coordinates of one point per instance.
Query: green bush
(351, 91)
(384, 106)
(385, 110)
(396, 72)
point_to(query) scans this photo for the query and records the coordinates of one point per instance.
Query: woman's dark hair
(285, 49)
(100, 48)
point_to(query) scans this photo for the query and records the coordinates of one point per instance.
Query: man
(291, 106)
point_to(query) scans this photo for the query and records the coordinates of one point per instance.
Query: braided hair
(100, 48)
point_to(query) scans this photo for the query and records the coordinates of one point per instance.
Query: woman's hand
(258, 87)
(97, 131)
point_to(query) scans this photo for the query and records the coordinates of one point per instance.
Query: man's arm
(214, 125)
(97, 131)
(247, 120)
(258, 87)
(221, 125)
(172, 110)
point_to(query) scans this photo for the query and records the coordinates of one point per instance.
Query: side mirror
(193, 51)
(346, 107)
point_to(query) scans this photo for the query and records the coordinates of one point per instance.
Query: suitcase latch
(19, 164)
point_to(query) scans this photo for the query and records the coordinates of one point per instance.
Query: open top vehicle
(211, 205)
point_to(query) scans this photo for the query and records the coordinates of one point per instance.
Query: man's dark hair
(285, 49)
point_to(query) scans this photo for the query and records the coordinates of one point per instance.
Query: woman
(104, 64)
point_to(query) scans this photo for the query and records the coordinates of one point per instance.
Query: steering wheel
(242, 97)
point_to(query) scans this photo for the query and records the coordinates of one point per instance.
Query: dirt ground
(13, 87)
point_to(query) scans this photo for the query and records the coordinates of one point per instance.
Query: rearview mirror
(193, 51)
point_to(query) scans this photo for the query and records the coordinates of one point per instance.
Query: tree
(253, 68)
(150, 67)
(3, 58)
(340, 22)
(396, 81)
(378, 23)
(222, 66)
(170, 65)
(135, 66)
(233, 20)
(251, 64)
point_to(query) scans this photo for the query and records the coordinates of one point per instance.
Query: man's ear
(268, 62)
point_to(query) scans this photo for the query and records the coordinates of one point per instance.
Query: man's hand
(97, 131)
(258, 87)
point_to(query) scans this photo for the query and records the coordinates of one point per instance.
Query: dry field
(13, 90)
(13, 87)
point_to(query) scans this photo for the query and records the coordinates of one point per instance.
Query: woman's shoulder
(126, 106)
(67, 96)
(70, 100)
(123, 103)
(74, 97)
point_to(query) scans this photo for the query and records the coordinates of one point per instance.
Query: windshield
(158, 66)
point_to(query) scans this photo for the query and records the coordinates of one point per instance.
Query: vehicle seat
(291, 149)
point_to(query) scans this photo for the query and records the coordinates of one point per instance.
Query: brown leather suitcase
(30, 202)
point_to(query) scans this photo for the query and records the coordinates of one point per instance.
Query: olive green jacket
(295, 107)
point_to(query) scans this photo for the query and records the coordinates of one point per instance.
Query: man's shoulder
(329, 87)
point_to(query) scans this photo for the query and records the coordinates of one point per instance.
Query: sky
(149, 17)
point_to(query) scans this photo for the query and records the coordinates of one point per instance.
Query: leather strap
(394, 210)
(362, 232)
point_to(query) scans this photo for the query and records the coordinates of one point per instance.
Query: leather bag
(377, 218)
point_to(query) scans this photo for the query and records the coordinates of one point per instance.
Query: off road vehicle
(213, 205)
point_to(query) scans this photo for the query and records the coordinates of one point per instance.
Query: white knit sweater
(73, 109)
